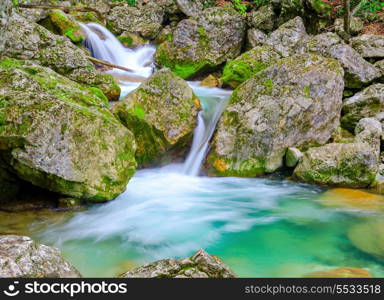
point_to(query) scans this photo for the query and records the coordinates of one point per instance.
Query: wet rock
(292, 157)
(369, 46)
(200, 265)
(146, 21)
(60, 135)
(203, 43)
(131, 40)
(255, 38)
(368, 237)
(351, 198)
(367, 103)
(286, 39)
(66, 25)
(30, 41)
(263, 19)
(22, 257)
(211, 81)
(344, 272)
(358, 72)
(356, 26)
(161, 113)
(248, 64)
(294, 103)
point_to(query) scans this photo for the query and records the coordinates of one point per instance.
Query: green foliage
(129, 2)
(240, 6)
(369, 10)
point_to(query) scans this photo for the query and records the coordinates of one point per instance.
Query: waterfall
(104, 45)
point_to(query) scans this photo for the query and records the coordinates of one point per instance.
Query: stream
(260, 227)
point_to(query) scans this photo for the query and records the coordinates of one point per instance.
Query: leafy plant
(240, 6)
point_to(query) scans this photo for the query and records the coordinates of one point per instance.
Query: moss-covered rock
(146, 20)
(248, 64)
(203, 43)
(356, 26)
(161, 113)
(60, 135)
(348, 165)
(66, 25)
(367, 103)
(295, 102)
(30, 41)
(20, 256)
(131, 40)
(199, 265)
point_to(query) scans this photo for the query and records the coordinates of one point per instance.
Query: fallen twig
(102, 62)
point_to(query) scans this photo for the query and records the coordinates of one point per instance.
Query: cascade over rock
(161, 113)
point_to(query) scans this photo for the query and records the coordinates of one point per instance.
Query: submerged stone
(60, 135)
(22, 257)
(162, 115)
(344, 272)
(351, 198)
(368, 237)
(294, 103)
(199, 265)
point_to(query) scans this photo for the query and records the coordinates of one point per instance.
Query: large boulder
(295, 102)
(369, 46)
(146, 20)
(60, 135)
(203, 43)
(287, 38)
(30, 41)
(367, 103)
(350, 165)
(255, 38)
(20, 256)
(248, 64)
(161, 113)
(5, 12)
(199, 265)
(319, 44)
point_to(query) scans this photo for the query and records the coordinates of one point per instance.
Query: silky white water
(259, 227)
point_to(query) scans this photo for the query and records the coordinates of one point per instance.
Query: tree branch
(358, 7)
(63, 8)
(102, 62)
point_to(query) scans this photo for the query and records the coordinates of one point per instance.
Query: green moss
(126, 40)
(139, 111)
(307, 91)
(238, 71)
(321, 7)
(66, 26)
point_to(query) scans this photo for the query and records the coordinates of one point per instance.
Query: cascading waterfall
(259, 227)
(104, 45)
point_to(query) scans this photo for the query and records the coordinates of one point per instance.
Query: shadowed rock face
(161, 113)
(60, 135)
(22, 257)
(295, 102)
(200, 265)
